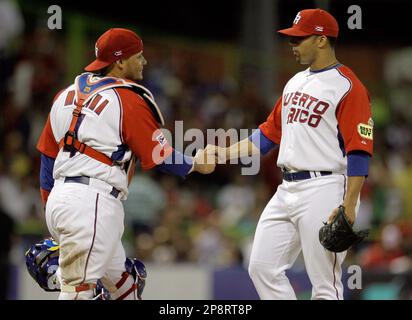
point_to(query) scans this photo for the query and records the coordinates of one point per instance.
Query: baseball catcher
(338, 235)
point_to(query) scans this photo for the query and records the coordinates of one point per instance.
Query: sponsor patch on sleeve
(365, 131)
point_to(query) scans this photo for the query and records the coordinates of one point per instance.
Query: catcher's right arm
(338, 235)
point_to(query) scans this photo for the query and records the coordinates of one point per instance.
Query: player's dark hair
(103, 72)
(332, 41)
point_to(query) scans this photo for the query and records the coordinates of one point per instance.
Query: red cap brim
(96, 65)
(294, 32)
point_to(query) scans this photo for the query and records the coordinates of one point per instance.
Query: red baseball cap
(115, 44)
(312, 21)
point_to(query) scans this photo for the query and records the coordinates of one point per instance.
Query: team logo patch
(365, 131)
(161, 139)
(297, 18)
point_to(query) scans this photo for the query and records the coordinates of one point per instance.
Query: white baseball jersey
(115, 121)
(320, 118)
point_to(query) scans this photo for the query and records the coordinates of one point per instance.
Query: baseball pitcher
(322, 124)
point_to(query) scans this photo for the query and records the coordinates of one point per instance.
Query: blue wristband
(358, 164)
(177, 163)
(261, 142)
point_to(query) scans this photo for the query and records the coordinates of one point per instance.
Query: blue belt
(303, 175)
(86, 180)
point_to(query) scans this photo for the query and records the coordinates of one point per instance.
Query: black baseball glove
(338, 235)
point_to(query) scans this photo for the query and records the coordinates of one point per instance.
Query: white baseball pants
(88, 224)
(290, 224)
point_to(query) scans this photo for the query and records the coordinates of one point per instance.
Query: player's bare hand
(219, 152)
(349, 212)
(204, 162)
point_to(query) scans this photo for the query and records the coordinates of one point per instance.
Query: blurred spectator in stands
(17, 191)
(235, 200)
(145, 202)
(39, 70)
(209, 241)
(6, 232)
(403, 181)
(386, 253)
(11, 26)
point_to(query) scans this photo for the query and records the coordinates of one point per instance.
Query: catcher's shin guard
(131, 284)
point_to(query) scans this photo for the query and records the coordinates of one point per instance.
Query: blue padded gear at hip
(42, 261)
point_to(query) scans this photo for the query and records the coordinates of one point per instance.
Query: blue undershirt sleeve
(262, 142)
(46, 172)
(177, 163)
(358, 164)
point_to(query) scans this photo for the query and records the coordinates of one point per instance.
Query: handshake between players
(205, 160)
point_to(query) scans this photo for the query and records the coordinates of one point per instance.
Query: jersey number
(95, 104)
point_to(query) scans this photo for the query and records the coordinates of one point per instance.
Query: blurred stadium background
(212, 65)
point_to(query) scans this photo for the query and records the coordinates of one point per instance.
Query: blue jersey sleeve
(46, 172)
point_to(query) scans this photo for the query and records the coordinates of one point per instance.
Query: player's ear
(120, 63)
(322, 41)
